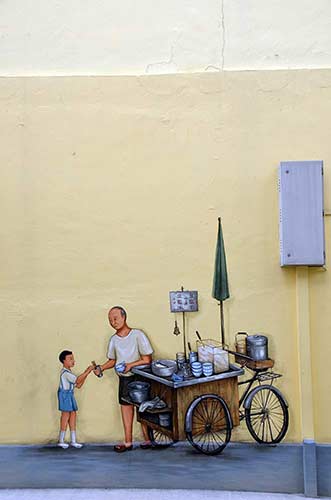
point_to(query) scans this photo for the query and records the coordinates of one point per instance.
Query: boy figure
(67, 402)
(132, 347)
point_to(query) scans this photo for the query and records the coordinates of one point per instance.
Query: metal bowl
(164, 367)
(165, 419)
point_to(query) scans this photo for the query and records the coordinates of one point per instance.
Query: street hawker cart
(204, 410)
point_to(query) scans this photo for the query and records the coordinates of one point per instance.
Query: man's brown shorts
(123, 390)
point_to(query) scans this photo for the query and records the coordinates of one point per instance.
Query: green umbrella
(220, 284)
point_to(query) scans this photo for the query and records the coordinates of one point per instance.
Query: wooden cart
(203, 410)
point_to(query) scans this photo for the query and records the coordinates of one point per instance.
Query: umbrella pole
(222, 322)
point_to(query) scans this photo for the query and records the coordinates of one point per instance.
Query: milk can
(257, 347)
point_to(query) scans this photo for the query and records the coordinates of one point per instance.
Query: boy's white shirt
(129, 348)
(67, 378)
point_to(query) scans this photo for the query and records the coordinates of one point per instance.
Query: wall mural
(194, 397)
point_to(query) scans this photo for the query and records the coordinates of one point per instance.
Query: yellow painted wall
(110, 193)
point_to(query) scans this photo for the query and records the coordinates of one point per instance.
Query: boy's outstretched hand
(81, 378)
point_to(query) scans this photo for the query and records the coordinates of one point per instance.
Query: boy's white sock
(62, 436)
(73, 440)
(61, 442)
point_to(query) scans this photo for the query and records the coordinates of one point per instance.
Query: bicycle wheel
(208, 424)
(267, 415)
(159, 439)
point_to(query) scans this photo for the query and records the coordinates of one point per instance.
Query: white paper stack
(208, 353)
(221, 360)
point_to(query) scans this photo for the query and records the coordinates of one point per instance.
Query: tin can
(241, 342)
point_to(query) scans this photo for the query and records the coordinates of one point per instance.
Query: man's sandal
(121, 448)
(146, 446)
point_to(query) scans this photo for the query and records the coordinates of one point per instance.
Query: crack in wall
(217, 68)
(150, 67)
(168, 64)
(223, 41)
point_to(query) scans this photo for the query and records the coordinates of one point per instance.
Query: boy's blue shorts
(67, 401)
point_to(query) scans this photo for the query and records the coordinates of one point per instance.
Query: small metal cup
(187, 371)
(180, 358)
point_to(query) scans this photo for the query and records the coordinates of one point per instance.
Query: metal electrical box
(301, 213)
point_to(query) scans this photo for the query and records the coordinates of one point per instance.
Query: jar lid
(257, 339)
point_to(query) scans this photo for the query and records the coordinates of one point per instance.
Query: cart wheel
(266, 415)
(208, 424)
(159, 439)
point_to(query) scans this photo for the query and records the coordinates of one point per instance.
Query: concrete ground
(241, 467)
(141, 495)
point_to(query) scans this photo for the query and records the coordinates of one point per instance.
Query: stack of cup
(180, 358)
(193, 356)
(207, 369)
(196, 368)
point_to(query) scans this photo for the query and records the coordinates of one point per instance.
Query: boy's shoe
(76, 445)
(63, 445)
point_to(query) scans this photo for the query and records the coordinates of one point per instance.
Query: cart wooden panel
(227, 389)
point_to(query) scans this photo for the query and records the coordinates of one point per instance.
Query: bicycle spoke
(221, 419)
(199, 410)
(277, 425)
(199, 418)
(275, 406)
(208, 441)
(213, 437)
(220, 436)
(201, 434)
(214, 410)
(270, 430)
(206, 408)
(260, 398)
(198, 428)
(220, 414)
(260, 422)
(269, 395)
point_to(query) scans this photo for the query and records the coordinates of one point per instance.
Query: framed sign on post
(183, 301)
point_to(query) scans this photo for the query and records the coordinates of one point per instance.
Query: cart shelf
(157, 427)
(155, 411)
(150, 418)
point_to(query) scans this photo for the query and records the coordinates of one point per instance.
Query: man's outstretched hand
(97, 369)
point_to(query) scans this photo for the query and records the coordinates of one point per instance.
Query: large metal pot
(164, 367)
(139, 391)
(257, 347)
